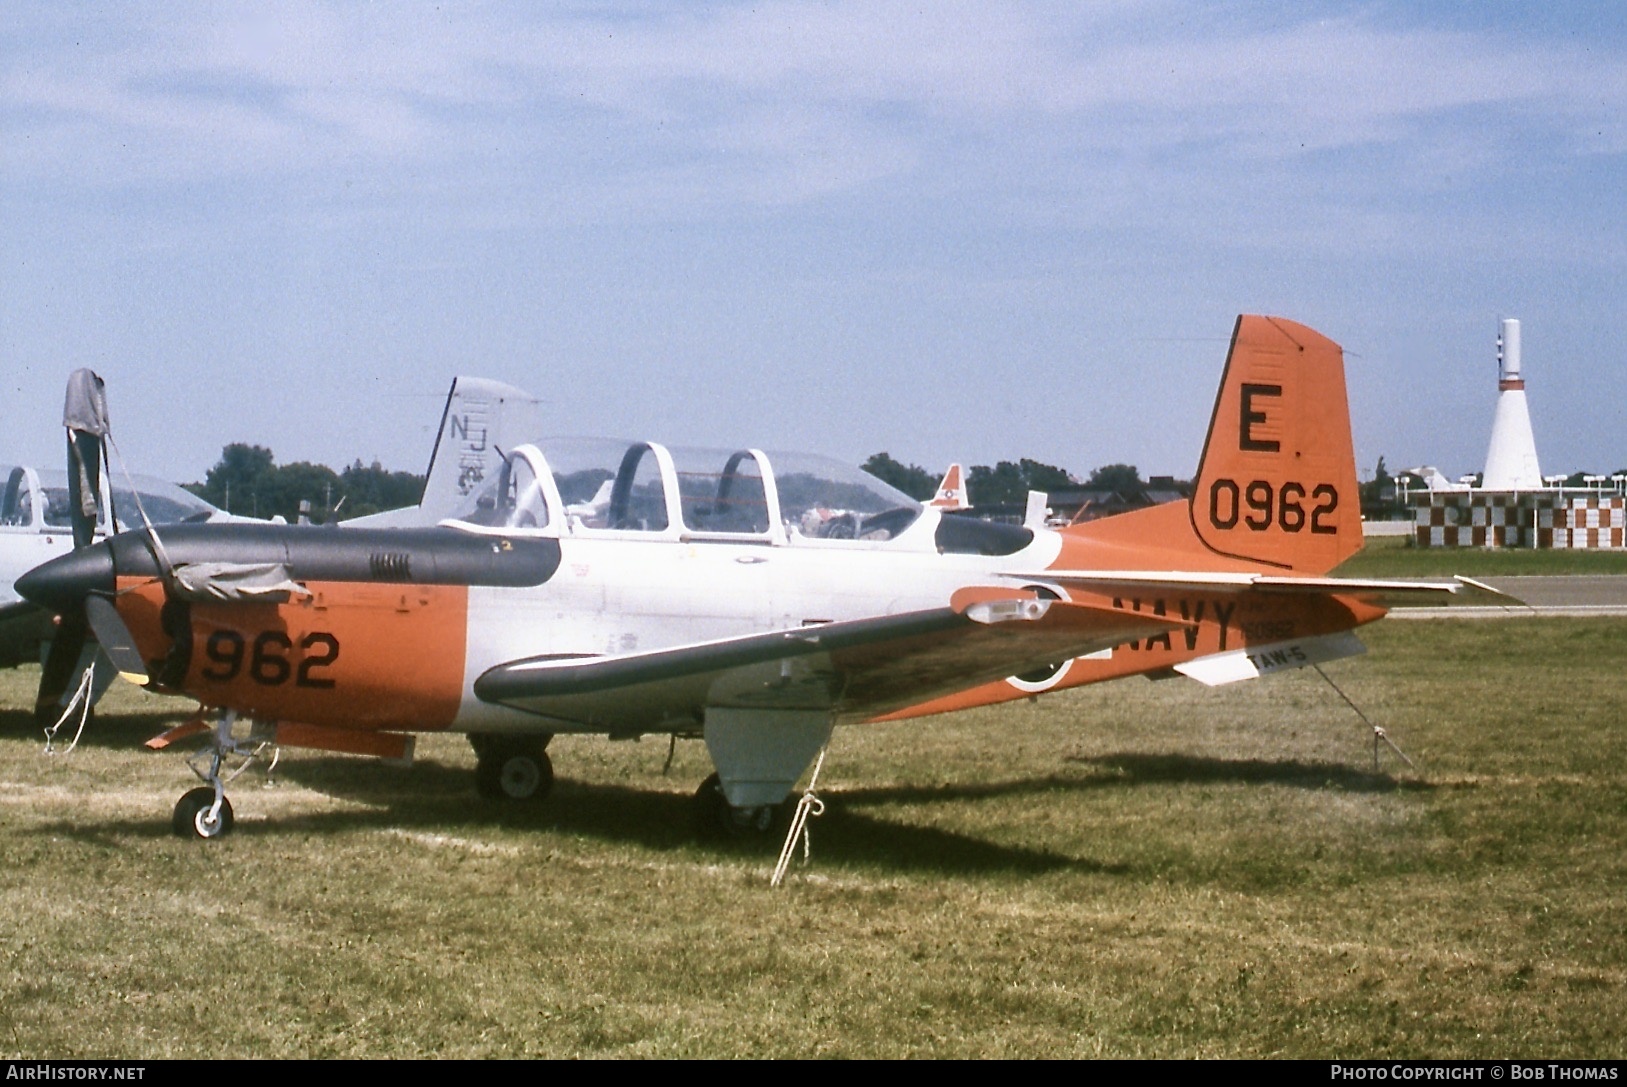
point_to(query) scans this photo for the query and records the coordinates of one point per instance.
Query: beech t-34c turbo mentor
(753, 599)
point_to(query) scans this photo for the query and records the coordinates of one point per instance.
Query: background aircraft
(717, 599)
(952, 491)
(35, 526)
(481, 420)
(36, 522)
(46, 512)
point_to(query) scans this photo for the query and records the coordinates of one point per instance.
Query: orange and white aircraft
(753, 599)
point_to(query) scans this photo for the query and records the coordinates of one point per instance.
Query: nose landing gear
(204, 812)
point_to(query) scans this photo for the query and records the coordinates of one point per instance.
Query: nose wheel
(198, 816)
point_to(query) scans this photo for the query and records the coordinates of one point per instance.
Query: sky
(953, 231)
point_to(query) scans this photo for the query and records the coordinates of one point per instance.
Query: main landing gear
(516, 769)
(717, 820)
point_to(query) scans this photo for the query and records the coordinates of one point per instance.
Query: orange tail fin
(952, 491)
(1277, 483)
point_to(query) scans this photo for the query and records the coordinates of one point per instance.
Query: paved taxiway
(1574, 595)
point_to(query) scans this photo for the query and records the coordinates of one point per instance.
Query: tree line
(1007, 483)
(249, 482)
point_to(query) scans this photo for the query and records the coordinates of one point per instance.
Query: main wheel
(191, 817)
(718, 820)
(515, 773)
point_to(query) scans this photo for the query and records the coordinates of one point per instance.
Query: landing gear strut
(204, 812)
(515, 769)
(718, 820)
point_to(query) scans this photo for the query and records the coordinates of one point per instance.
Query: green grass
(1133, 869)
(1397, 556)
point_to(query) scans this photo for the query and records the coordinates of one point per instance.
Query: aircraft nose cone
(63, 583)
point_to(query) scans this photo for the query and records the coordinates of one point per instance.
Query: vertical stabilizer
(1511, 460)
(483, 421)
(1277, 482)
(952, 491)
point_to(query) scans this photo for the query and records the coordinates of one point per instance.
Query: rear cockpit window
(722, 493)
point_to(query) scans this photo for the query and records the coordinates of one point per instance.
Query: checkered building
(1555, 519)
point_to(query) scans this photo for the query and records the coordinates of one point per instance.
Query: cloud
(876, 89)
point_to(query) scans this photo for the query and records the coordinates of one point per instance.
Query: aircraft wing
(858, 669)
(1386, 593)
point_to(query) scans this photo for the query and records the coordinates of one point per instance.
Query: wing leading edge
(856, 669)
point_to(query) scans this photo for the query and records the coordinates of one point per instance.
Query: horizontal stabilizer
(1218, 669)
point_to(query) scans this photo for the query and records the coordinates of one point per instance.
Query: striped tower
(1511, 462)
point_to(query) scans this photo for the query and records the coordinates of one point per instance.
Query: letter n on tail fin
(1277, 483)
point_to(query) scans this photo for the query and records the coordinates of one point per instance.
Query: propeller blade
(115, 639)
(84, 414)
(61, 665)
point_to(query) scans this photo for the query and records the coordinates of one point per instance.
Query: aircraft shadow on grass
(1139, 768)
(438, 798)
(104, 731)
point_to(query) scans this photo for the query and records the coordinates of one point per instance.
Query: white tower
(1511, 462)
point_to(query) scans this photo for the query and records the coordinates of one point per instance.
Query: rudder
(1277, 482)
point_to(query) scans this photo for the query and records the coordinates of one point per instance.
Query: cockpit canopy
(37, 500)
(601, 486)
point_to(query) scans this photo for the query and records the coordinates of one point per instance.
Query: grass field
(1134, 869)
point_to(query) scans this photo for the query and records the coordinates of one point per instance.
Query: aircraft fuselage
(397, 626)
